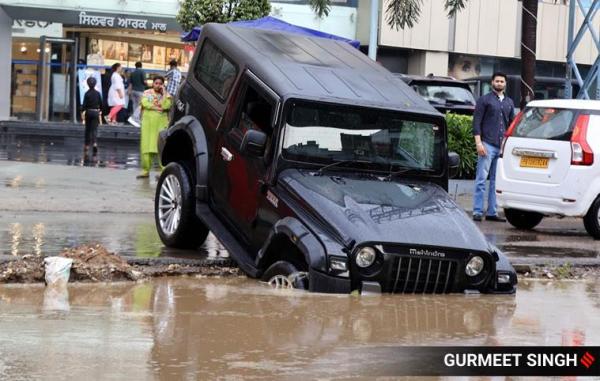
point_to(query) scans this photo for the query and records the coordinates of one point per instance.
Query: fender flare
(308, 244)
(192, 127)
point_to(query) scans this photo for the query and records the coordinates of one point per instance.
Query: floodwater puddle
(188, 328)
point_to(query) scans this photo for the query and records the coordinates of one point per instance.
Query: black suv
(446, 94)
(318, 169)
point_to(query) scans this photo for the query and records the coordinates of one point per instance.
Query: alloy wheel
(169, 205)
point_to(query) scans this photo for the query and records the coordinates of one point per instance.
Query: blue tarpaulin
(272, 23)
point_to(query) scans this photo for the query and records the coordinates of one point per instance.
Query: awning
(272, 23)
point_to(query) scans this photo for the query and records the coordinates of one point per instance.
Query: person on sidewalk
(137, 88)
(173, 78)
(91, 106)
(116, 93)
(493, 114)
(156, 103)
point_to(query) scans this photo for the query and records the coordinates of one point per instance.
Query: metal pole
(73, 94)
(40, 80)
(570, 31)
(373, 29)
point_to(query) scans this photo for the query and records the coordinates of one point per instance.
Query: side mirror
(253, 143)
(453, 164)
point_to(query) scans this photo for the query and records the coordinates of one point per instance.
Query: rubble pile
(94, 263)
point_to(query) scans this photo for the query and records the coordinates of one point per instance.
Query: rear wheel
(591, 221)
(522, 219)
(283, 274)
(174, 209)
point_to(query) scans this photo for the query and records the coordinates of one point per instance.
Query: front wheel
(174, 210)
(591, 221)
(522, 219)
(282, 274)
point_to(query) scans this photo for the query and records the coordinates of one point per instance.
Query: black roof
(296, 66)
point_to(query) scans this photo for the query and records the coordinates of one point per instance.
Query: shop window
(215, 71)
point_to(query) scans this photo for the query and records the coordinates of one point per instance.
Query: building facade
(483, 37)
(42, 41)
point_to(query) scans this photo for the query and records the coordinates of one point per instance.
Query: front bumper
(404, 272)
(401, 272)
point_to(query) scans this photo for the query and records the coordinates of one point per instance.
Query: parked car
(549, 164)
(446, 94)
(544, 88)
(317, 169)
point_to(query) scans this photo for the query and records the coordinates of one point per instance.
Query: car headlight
(503, 278)
(475, 266)
(365, 257)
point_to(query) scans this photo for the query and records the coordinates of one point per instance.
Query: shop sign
(120, 22)
(36, 29)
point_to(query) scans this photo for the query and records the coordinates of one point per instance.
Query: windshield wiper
(331, 165)
(404, 170)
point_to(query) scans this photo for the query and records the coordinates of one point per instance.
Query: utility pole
(373, 29)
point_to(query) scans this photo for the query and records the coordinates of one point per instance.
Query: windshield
(545, 123)
(445, 94)
(368, 138)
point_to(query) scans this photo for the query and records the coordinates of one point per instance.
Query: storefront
(64, 47)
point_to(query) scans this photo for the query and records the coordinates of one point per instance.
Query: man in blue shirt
(493, 114)
(173, 78)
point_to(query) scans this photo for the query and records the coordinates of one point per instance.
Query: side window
(256, 113)
(214, 70)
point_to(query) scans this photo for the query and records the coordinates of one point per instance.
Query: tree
(400, 13)
(528, 50)
(199, 12)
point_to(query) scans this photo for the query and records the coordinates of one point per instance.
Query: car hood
(367, 209)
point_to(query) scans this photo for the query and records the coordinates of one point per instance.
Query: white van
(549, 164)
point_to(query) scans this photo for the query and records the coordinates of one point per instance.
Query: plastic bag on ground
(58, 270)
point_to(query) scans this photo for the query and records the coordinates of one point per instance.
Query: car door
(237, 177)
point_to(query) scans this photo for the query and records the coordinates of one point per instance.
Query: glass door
(57, 71)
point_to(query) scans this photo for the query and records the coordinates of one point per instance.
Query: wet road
(67, 150)
(127, 234)
(206, 329)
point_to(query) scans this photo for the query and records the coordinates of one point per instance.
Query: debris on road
(94, 263)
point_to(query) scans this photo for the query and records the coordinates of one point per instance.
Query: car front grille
(420, 275)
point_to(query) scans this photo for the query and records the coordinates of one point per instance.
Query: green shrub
(460, 140)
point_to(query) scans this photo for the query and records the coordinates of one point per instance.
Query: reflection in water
(16, 231)
(122, 154)
(38, 231)
(129, 235)
(185, 328)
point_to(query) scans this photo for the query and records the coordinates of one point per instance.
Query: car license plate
(534, 162)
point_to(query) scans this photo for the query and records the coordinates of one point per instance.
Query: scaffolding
(591, 79)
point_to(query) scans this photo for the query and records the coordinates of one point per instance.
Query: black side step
(237, 252)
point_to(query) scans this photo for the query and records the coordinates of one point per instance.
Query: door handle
(226, 155)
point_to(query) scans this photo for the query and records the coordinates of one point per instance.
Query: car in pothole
(316, 168)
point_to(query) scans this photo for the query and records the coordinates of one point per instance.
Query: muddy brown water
(188, 328)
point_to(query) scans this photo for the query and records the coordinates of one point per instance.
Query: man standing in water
(493, 114)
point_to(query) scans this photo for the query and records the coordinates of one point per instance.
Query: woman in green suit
(155, 104)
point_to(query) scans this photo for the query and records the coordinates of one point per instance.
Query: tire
(522, 219)
(281, 270)
(591, 221)
(175, 209)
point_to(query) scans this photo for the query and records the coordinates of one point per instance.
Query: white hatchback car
(550, 164)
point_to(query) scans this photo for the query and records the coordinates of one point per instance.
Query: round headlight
(365, 257)
(475, 266)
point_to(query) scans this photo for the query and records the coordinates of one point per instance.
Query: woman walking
(156, 103)
(116, 93)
